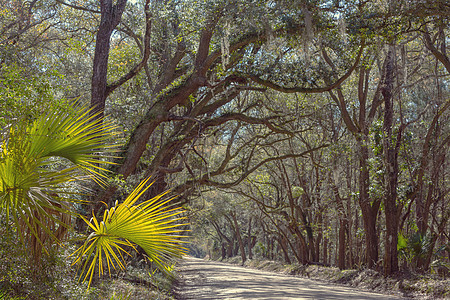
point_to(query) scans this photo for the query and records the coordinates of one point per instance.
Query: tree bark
(249, 240)
(325, 244)
(238, 236)
(283, 243)
(110, 18)
(319, 236)
(390, 148)
(368, 210)
(342, 245)
(343, 226)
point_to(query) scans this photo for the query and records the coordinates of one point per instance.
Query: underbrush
(57, 279)
(409, 285)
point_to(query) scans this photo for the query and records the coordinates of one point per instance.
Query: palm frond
(80, 138)
(32, 190)
(153, 225)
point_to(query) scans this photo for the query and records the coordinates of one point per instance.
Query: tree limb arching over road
(201, 279)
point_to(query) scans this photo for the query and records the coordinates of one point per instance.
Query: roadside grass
(58, 280)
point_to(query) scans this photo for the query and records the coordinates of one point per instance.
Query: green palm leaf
(153, 225)
(32, 191)
(77, 137)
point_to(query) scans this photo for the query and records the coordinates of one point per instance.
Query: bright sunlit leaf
(33, 185)
(154, 225)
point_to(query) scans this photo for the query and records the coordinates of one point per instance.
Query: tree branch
(205, 179)
(304, 90)
(146, 54)
(78, 7)
(250, 120)
(439, 55)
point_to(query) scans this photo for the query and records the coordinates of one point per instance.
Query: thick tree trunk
(310, 245)
(159, 113)
(110, 18)
(369, 211)
(283, 243)
(236, 246)
(302, 246)
(390, 149)
(342, 245)
(99, 76)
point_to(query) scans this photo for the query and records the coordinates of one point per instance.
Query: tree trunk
(325, 243)
(390, 149)
(343, 226)
(238, 236)
(342, 244)
(349, 221)
(319, 236)
(159, 111)
(369, 211)
(283, 243)
(302, 246)
(230, 248)
(110, 18)
(224, 251)
(249, 240)
(423, 204)
(269, 248)
(225, 241)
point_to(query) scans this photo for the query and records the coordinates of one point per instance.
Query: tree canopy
(304, 130)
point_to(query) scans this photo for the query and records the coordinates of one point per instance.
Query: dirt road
(201, 279)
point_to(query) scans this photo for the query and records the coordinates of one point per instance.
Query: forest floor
(409, 286)
(134, 285)
(58, 280)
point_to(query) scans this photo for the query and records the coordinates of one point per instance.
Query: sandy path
(211, 280)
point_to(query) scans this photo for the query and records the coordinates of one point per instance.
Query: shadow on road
(200, 279)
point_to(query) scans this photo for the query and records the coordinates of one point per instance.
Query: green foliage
(33, 192)
(37, 161)
(419, 244)
(12, 269)
(122, 55)
(402, 242)
(19, 279)
(151, 224)
(120, 296)
(297, 191)
(22, 94)
(413, 246)
(439, 265)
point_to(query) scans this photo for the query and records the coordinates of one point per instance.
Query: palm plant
(413, 247)
(33, 192)
(152, 224)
